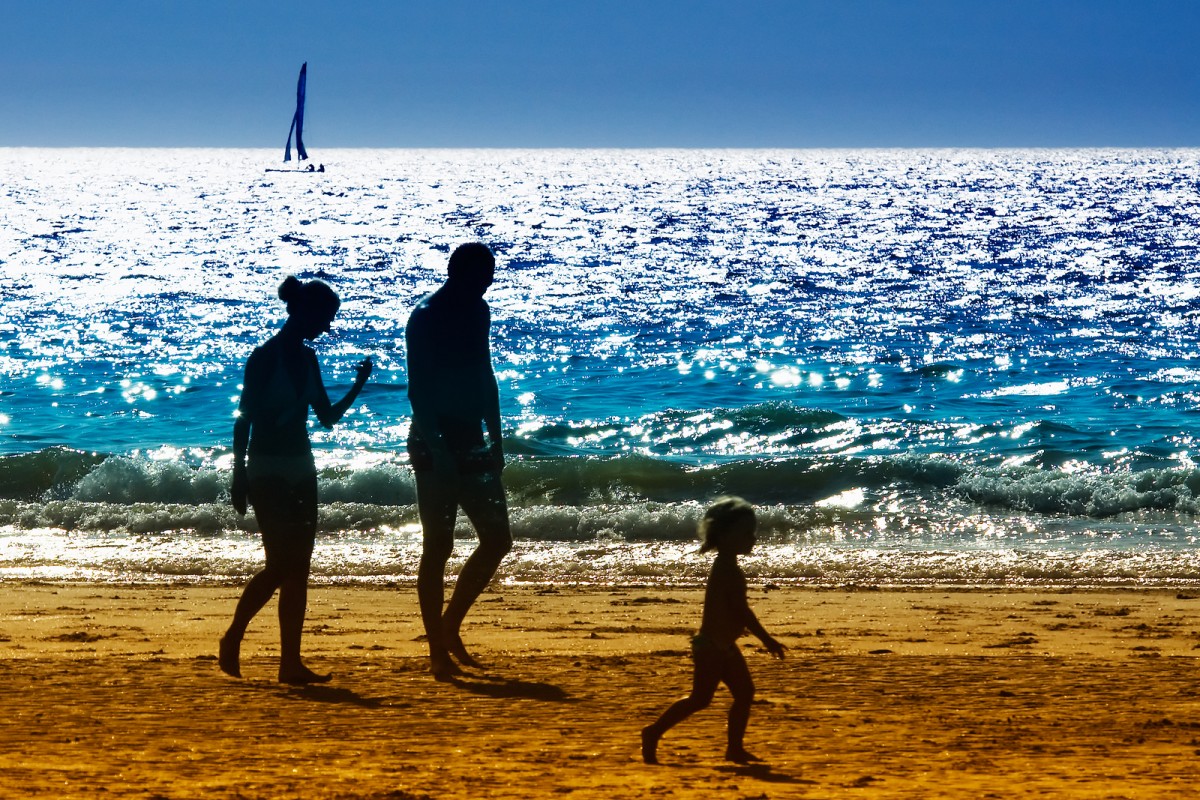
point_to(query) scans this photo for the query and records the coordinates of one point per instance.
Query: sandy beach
(113, 691)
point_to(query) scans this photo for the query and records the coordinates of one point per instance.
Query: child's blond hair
(720, 517)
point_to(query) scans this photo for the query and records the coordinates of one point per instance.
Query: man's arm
(424, 388)
(491, 413)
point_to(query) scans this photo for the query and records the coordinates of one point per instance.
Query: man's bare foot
(442, 666)
(301, 676)
(739, 755)
(229, 656)
(649, 746)
(454, 645)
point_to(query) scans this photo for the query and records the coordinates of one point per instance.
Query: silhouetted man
(454, 402)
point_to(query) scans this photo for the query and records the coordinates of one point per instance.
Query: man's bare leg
(438, 507)
(430, 580)
(483, 501)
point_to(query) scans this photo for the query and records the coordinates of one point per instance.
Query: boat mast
(298, 120)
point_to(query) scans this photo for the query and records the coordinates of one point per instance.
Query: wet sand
(113, 691)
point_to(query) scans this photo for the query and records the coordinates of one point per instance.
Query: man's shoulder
(437, 306)
(423, 307)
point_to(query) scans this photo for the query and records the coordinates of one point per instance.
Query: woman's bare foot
(739, 755)
(229, 656)
(302, 675)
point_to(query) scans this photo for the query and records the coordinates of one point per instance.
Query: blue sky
(614, 73)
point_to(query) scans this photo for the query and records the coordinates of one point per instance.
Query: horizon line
(616, 147)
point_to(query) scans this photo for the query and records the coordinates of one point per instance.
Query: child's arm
(770, 642)
(751, 622)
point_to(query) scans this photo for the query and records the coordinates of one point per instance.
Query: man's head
(471, 266)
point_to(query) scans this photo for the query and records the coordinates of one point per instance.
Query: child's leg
(737, 677)
(705, 679)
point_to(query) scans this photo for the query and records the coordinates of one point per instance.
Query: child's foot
(454, 645)
(649, 746)
(229, 656)
(739, 755)
(302, 675)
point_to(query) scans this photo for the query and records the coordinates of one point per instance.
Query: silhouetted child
(728, 527)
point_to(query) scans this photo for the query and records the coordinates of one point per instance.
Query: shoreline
(934, 693)
(184, 620)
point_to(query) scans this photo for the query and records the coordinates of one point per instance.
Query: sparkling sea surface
(966, 367)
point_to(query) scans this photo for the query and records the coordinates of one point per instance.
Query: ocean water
(960, 367)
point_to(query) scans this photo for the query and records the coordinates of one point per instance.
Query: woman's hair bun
(309, 297)
(290, 289)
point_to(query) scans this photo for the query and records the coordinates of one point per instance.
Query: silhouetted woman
(273, 469)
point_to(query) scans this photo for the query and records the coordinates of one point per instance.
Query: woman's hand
(239, 492)
(363, 368)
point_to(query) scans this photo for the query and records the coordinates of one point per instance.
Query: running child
(728, 527)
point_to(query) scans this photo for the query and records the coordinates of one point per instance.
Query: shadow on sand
(323, 693)
(762, 772)
(507, 688)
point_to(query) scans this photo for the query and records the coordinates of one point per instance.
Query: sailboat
(298, 127)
